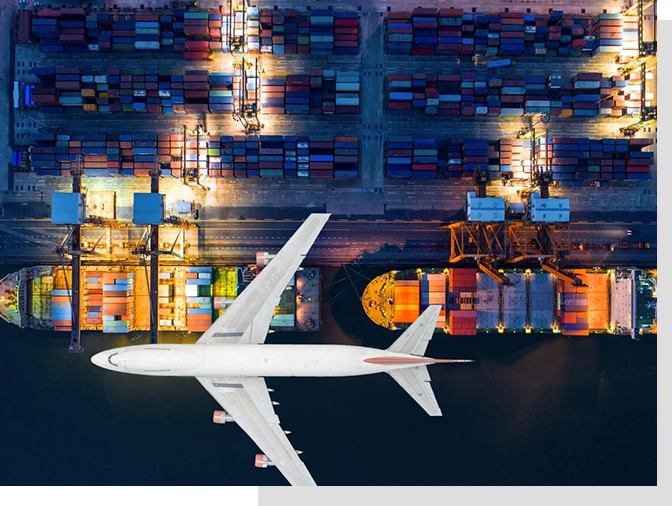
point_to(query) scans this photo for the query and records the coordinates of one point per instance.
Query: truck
(634, 245)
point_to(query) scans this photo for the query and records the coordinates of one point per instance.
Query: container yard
(587, 94)
(568, 159)
(453, 32)
(194, 34)
(243, 114)
(534, 302)
(311, 157)
(115, 299)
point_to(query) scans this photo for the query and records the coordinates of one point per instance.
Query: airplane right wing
(248, 402)
(247, 320)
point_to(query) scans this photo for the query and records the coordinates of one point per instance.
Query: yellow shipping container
(90, 107)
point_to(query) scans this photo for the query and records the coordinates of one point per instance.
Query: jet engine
(222, 417)
(261, 460)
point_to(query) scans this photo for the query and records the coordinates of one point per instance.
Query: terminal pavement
(395, 243)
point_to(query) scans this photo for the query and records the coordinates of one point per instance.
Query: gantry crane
(646, 54)
(71, 245)
(247, 109)
(148, 246)
(237, 41)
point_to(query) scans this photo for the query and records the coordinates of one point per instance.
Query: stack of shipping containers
(271, 159)
(61, 309)
(573, 307)
(316, 32)
(199, 298)
(117, 302)
(462, 300)
(474, 155)
(586, 94)
(273, 95)
(23, 27)
(433, 287)
(453, 32)
(572, 159)
(166, 300)
(195, 33)
(93, 297)
(430, 158)
(406, 299)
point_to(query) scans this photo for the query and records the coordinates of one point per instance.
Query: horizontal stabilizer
(417, 383)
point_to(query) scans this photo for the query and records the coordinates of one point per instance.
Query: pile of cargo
(195, 33)
(319, 31)
(616, 33)
(162, 91)
(462, 300)
(166, 300)
(417, 158)
(61, 310)
(275, 156)
(587, 94)
(117, 302)
(221, 91)
(199, 298)
(94, 297)
(406, 300)
(314, 157)
(572, 159)
(573, 308)
(144, 90)
(454, 32)
(433, 291)
(320, 92)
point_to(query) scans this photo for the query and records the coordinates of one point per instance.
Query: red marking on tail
(403, 360)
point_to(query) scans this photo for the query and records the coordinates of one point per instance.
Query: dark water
(532, 410)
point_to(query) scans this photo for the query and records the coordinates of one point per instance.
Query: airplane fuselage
(251, 360)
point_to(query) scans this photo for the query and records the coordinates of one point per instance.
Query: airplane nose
(100, 359)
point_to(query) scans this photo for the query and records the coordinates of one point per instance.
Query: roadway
(366, 242)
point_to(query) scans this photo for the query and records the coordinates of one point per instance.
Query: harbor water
(531, 410)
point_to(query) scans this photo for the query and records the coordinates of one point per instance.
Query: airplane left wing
(248, 402)
(247, 320)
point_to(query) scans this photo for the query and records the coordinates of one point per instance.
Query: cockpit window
(109, 359)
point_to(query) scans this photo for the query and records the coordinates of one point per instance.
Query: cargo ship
(115, 299)
(621, 301)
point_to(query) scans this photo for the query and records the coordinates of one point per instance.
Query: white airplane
(228, 361)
